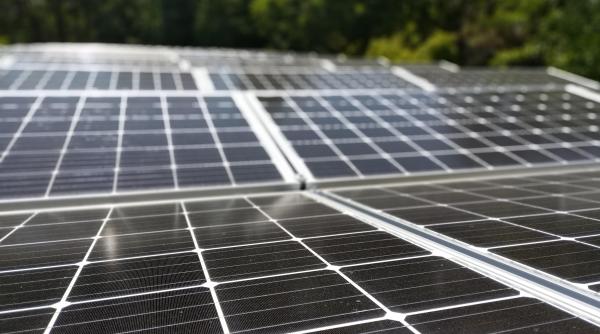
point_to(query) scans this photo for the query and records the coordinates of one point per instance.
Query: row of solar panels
(56, 145)
(136, 131)
(310, 263)
(22, 78)
(129, 68)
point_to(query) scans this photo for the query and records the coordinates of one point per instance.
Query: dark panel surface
(490, 233)
(53, 232)
(28, 322)
(44, 254)
(362, 247)
(560, 224)
(33, 287)
(433, 215)
(238, 234)
(519, 315)
(183, 311)
(500, 209)
(293, 302)
(324, 225)
(115, 247)
(259, 260)
(430, 282)
(125, 277)
(383, 326)
(226, 217)
(569, 260)
(144, 224)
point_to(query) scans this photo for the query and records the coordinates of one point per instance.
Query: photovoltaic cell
(190, 310)
(34, 321)
(317, 298)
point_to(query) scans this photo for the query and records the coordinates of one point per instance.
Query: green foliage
(402, 47)
(561, 33)
(529, 54)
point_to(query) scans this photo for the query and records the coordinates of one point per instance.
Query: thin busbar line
(209, 283)
(91, 80)
(215, 137)
(177, 80)
(119, 148)
(135, 80)
(114, 76)
(63, 301)
(44, 80)
(20, 79)
(156, 79)
(168, 133)
(63, 151)
(480, 302)
(67, 80)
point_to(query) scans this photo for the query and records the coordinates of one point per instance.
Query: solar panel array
(155, 189)
(253, 264)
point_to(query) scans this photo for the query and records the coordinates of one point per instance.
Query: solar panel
(346, 135)
(548, 222)
(73, 145)
(156, 189)
(91, 55)
(301, 273)
(484, 77)
(61, 78)
(305, 79)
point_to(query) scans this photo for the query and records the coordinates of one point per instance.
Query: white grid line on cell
(63, 301)
(210, 284)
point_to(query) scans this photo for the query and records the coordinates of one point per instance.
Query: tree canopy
(561, 33)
